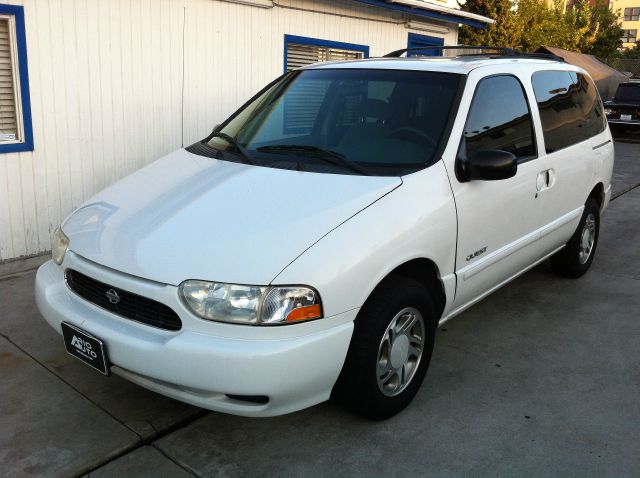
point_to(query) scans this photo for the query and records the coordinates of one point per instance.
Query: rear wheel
(390, 350)
(576, 257)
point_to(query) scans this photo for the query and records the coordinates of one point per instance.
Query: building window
(631, 14)
(301, 51)
(629, 36)
(15, 109)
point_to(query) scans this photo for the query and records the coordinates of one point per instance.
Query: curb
(23, 264)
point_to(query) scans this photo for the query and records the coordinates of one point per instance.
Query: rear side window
(570, 108)
(499, 118)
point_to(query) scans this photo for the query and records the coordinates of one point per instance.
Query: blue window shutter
(419, 41)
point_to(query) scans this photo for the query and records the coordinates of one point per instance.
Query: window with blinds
(9, 104)
(16, 131)
(299, 55)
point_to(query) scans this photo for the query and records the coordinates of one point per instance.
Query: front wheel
(390, 350)
(576, 257)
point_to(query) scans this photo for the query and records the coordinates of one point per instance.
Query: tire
(369, 357)
(570, 261)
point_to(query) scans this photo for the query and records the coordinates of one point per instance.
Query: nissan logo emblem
(113, 296)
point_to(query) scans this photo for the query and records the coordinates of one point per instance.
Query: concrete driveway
(540, 379)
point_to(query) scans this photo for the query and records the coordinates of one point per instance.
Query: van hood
(189, 217)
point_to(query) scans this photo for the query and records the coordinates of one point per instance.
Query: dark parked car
(625, 106)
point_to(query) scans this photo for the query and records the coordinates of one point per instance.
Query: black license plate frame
(85, 347)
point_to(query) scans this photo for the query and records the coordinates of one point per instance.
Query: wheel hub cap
(400, 351)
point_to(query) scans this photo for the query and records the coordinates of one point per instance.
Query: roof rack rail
(489, 51)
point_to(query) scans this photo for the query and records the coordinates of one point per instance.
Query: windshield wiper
(233, 142)
(327, 155)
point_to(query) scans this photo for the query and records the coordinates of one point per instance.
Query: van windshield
(343, 121)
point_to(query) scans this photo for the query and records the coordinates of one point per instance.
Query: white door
(497, 220)
(575, 138)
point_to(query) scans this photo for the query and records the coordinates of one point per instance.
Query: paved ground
(540, 379)
(626, 174)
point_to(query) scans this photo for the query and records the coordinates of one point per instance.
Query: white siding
(106, 81)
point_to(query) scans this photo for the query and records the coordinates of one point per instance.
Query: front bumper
(294, 366)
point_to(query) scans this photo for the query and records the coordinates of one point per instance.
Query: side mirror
(488, 165)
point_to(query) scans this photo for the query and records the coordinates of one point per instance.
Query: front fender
(416, 220)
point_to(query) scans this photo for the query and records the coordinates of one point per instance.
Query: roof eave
(434, 12)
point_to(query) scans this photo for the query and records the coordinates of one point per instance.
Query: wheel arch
(426, 272)
(597, 193)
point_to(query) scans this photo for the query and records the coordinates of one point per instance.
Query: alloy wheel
(587, 239)
(400, 351)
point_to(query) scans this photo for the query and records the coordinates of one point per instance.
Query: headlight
(607, 111)
(59, 245)
(246, 304)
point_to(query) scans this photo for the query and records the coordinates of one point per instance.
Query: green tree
(632, 53)
(529, 24)
(608, 40)
(501, 33)
(541, 24)
(582, 30)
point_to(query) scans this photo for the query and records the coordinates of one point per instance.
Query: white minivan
(310, 246)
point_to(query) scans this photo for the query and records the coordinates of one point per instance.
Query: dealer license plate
(85, 347)
(625, 117)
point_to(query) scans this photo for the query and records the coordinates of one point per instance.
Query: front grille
(126, 304)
